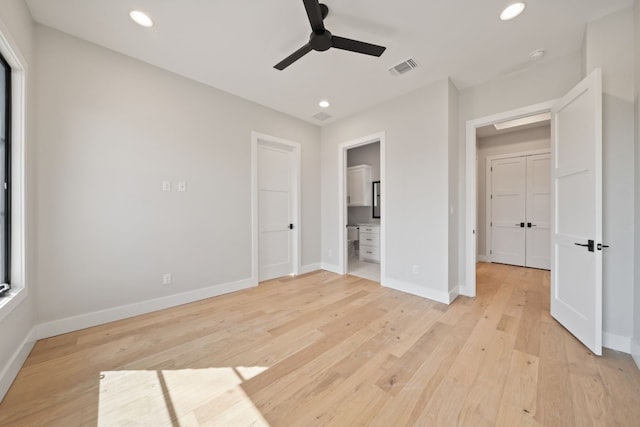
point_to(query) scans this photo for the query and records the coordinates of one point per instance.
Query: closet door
(538, 234)
(508, 201)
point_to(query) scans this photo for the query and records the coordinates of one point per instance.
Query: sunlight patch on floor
(184, 397)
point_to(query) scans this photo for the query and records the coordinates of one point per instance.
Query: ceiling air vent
(403, 67)
(322, 116)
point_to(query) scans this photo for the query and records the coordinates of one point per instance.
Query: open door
(576, 249)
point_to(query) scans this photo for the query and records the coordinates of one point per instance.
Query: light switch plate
(182, 186)
(166, 185)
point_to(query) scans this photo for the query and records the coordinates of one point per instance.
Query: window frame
(20, 130)
(6, 179)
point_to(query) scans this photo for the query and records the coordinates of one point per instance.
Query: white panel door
(576, 262)
(538, 234)
(508, 196)
(275, 208)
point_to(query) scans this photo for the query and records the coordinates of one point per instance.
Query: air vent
(403, 67)
(322, 116)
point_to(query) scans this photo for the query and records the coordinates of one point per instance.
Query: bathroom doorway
(362, 207)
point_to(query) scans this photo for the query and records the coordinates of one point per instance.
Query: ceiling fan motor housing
(320, 41)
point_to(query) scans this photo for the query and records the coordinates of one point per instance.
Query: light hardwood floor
(323, 349)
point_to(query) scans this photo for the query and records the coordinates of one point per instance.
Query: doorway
(276, 207)
(362, 207)
(475, 241)
(576, 206)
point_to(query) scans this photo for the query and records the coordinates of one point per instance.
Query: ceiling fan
(321, 39)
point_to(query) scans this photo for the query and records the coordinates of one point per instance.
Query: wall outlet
(166, 185)
(416, 269)
(182, 186)
(166, 279)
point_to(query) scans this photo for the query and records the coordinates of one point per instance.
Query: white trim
(309, 268)
(616, 342)
(342, 206)
(331, 268)
(453, 294)
(87, 320)
(421, 291)
(469, 288)
(294, 147)
(19, 75)
(13, 366)
(635, 352)
(464, 290)
(487, 192)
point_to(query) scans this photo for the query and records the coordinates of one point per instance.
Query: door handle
(590, 245)
(290, 226)
(600, 246)
(520, 225)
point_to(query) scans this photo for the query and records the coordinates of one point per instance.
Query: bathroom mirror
(376, 199)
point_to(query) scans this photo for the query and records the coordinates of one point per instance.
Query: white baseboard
(635, 353)
(616, 342)
(12, 368)
(331, 267)
(453, 294)
(309, 268)
(420, 291)
(75, 323)
(483, 258)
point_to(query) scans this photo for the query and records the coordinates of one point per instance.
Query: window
(5, 173)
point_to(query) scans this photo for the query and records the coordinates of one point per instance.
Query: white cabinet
(369, 242)
(359, 185)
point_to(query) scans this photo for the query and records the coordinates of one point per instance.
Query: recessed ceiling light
(537, 54)
(141, 18)
(511, 11)
(324, 104)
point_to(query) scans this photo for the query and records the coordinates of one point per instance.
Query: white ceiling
(233, 45)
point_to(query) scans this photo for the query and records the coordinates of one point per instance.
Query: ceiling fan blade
(293, 57)
(315, 15)
(357, 46)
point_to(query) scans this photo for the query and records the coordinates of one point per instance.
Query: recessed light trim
(537, 54)
(513, 10)
(324, 103)
(141, 18)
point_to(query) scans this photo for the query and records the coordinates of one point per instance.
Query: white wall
(16, 325)
(364, 155)
(636, 293)
(417, 194)
(542, 81)
(111, 129)
(609, 45)
(512, 142)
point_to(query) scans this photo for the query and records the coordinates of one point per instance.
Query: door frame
(258, 139)
(342, 205)
(469, 288)
(488, 183)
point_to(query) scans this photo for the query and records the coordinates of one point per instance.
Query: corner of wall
(453, 139)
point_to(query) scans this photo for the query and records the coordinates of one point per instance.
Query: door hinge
(491, 252)
(491, 168)
(492, 197)
(490, 224)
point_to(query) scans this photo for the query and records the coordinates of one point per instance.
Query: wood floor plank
(325, 349)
